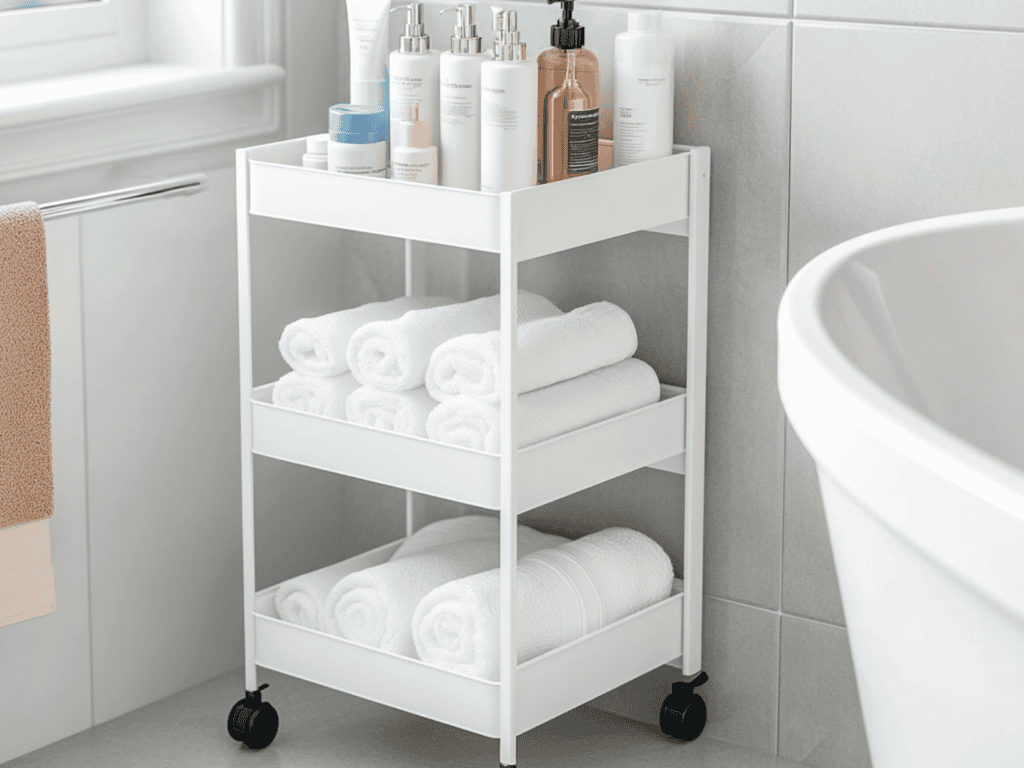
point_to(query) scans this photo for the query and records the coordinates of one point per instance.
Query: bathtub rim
(819, 385)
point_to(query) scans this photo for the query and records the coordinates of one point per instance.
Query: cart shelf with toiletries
(667, 195)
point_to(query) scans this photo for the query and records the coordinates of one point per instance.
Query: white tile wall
(979, 13)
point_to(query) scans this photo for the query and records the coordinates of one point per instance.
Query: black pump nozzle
(566, 33)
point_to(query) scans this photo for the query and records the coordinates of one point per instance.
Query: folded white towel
(374, 606)
(301, 600)
(316, 345)
(320, 395)
(562, 594)
(392, 355)
(548, 411)
(405, 412)
(551, 349)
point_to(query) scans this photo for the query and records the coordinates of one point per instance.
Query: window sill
(112, 114)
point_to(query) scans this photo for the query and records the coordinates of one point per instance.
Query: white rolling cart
(667, 195)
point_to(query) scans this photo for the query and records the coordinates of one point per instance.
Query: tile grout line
(785, 281)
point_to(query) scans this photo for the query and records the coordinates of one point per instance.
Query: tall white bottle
(508, 112)
(643, 111)
(460, 102)
(413, 74)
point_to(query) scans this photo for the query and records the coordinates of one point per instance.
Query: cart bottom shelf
(546, 686)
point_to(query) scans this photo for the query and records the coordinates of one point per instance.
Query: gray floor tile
(820, 721)
(321, 728)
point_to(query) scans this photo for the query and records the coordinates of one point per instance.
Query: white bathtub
(901, 368)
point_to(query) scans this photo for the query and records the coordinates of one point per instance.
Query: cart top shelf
(522, 224)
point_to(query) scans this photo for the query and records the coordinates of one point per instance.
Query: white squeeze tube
(368, 46)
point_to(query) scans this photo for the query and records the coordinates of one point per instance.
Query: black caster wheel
(684, 713)
(253, 721)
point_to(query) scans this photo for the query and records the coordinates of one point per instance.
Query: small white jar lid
(317, 145)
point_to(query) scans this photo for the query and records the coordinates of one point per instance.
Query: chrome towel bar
(180, 185)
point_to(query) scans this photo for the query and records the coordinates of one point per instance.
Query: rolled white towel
(316, 345)
(319, 395)
(551, 349)
(548, 411)
(404, 412)
(448, 531)
(392, 355)
(300, 600)
(374, 606)
(562, 594)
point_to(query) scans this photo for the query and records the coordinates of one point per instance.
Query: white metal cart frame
(669, 195)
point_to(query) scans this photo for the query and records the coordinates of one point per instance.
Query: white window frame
(210, 73)
(53, 40)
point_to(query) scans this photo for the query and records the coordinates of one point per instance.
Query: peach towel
(26, 466)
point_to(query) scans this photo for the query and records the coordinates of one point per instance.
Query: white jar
(643, 111)
(316, 152)
(356, 140)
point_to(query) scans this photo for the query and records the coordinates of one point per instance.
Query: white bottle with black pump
(460, 102)
(413, 75)
(508, 112)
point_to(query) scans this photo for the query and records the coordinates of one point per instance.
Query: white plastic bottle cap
(643, 21)
(317, 145)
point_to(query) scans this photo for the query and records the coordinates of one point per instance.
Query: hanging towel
(300, 600)
(550, 411)
(392, 355)
(374, 606)
(316, 345)
(551, 350)
(403, 412)
(319, 395)
(26, 463)
(563, 593)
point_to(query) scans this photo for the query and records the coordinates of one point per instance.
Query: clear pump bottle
(460, 102)
(413, 74)
(575, 138)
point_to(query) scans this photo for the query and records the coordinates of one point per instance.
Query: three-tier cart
(667, 195)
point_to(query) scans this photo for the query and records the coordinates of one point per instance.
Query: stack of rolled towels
(431, 367)
(437, 598)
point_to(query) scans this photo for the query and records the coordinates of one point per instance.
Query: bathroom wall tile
(759, 7)
(733, 96)
(311, 68)
(993, 13)
(741, 657)
(871, 149)
(820, 721)
(809, 584)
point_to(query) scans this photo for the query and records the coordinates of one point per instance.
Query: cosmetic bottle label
(581, 136)
(497, 115)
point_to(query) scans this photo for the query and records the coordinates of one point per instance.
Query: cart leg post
(507, 653)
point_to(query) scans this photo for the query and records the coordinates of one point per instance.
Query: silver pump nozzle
(465, 39)
(415, 39)
(509, 48)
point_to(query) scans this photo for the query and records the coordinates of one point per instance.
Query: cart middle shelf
(649, 436)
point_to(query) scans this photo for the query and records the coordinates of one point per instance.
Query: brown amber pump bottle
(569, 101)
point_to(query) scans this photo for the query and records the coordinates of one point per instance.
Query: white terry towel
(562, 594)
(403, 412)
(300, 600)
(319, 395)
(316, 345)
(392, 355)
(548, 411)
(551, 349)
(374, 606)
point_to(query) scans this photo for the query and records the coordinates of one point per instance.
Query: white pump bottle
(460, 102)
(413, 75)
